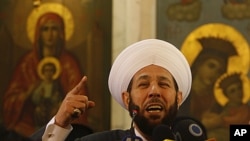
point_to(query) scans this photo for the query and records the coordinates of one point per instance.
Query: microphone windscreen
(163, 133)
(189, 129)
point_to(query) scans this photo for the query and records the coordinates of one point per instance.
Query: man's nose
(154, 92)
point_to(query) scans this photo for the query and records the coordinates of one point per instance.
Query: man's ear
(179, 98)
(126, 99)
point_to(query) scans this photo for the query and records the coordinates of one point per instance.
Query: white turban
(144, 53)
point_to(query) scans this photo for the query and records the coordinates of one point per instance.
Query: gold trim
(50, 7)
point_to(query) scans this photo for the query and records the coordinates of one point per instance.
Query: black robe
(82, 133)
(112, 135)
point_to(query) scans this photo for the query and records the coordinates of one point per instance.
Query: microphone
(163, 133)
(132, 137)
(189, 129)
(134, 110)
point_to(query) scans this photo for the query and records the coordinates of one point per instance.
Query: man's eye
(143, 84)
(164, 84)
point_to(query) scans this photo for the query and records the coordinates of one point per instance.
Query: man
(150, 79)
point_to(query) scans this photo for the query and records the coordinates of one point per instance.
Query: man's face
(153, 92)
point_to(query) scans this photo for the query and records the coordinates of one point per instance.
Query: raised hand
(74, 104)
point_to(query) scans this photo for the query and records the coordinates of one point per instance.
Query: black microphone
(134, 111)
(163, 133)
(189, 129)
(132, 137)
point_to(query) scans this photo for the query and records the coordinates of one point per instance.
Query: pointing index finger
(81, 87)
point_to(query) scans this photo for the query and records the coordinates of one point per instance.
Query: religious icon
(231, 106)
(32, 94)
(212, 50)
(47, 94)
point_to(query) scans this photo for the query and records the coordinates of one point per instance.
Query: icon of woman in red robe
(49, 41)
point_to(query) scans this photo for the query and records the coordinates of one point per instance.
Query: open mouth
(154, 108)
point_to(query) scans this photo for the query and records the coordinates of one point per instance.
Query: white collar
(139, 135)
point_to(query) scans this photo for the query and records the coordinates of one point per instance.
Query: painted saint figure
(232, 95)
(211, 62)
(49, 41)
(47, 94)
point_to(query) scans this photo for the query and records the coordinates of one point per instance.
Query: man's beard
(144, 124)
